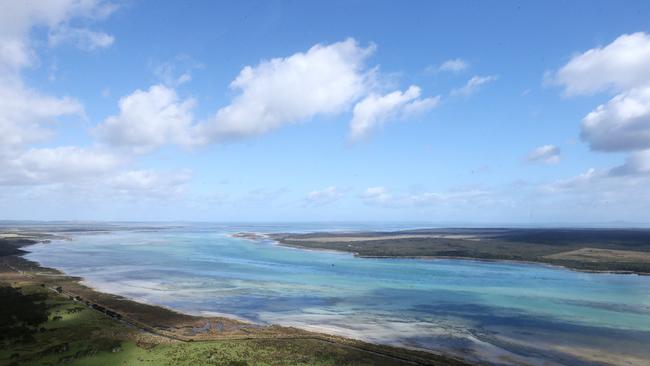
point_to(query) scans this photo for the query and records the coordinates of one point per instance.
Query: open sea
(498, 312)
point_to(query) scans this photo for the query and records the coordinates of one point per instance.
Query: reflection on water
(506, 312)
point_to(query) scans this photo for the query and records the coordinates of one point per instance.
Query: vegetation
(534, 245)
(21, 314)
(76, 334)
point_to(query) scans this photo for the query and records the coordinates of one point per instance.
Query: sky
(465, 112)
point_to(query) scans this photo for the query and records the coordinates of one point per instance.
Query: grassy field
(622, 250)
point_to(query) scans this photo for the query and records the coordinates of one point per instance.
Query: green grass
(76, 333)
(83, 336)
(249, 352)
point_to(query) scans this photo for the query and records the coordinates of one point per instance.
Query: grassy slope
(84, 336)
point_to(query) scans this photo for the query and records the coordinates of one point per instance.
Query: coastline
(176, 326)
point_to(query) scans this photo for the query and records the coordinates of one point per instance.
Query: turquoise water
(506, 313)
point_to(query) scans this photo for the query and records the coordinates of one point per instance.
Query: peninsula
(599, 250)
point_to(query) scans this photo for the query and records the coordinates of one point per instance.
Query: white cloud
(90, 172)
(375, 109)
(636, 163)
(324, 196)
(324, 80)
(473, 85)
(55, 165)
(607, 194)
(548, 154)
(454, 65)
(621, 65)
(574, 182)
(623, 124)
(81, 37)
(23, 112)
(17, 18)
(149, 119)
(14, 54)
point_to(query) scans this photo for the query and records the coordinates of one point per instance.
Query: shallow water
(508, 313)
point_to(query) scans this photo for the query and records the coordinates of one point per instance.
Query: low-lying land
(67, 322)
(606, 250)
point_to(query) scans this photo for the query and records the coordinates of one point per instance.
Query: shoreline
(181, 326)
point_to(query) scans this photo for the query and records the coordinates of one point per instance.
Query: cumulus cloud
(324, 80)
(324, 196)
(618, 66)
(148, 119)
(375, 109)
(636, 163)
(55, 165)
(453, 65)
(622, 124)
(24, 113)
(548, 154)
(91, 171)
(473, 85)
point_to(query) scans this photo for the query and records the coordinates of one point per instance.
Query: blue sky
(446, 112)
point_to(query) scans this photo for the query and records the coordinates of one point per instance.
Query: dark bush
(21, 313)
